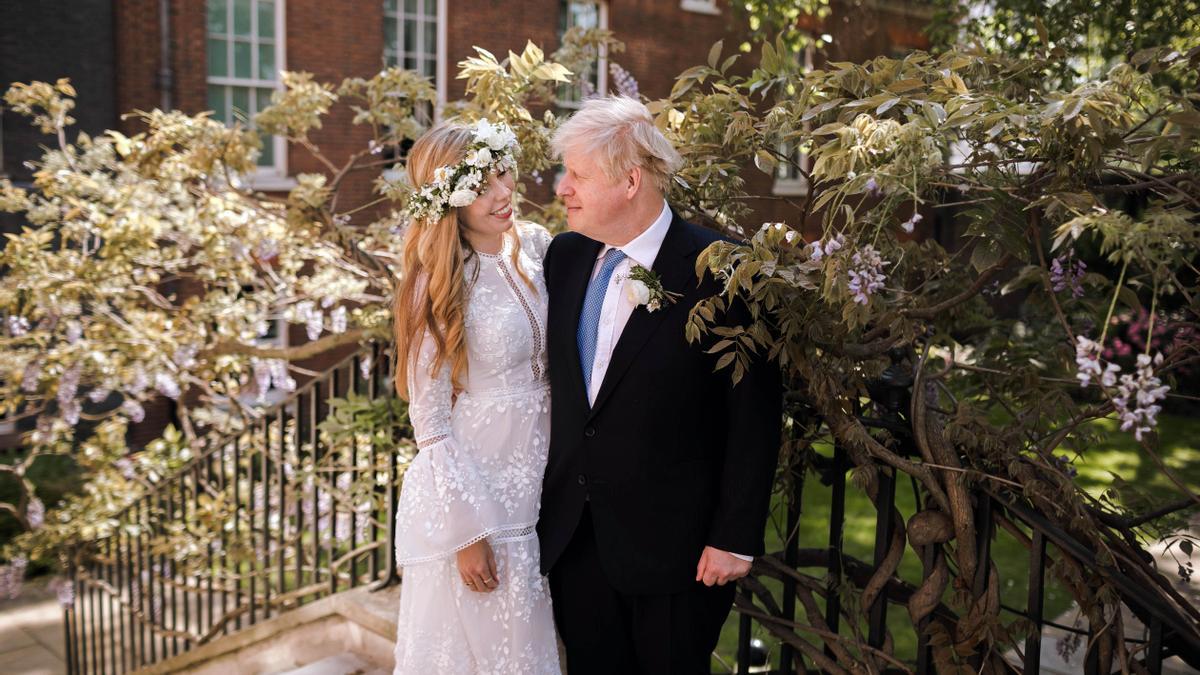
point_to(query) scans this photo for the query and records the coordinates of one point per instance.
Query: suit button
(589, 432)
(582, 479)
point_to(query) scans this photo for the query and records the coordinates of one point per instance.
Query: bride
(470, 318)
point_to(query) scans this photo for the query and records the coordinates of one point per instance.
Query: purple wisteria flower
(35, 513)
(827, 247)
(911, 224)
(1066, 271)
(133, 410)
(29, 379)
(262, 377)
(280, 379)
(623, 80)
(1087, 359)
(18, 326)
(337, 319)
(140, 382)
(866, 273)
(12, 577)
(64, 591)
(1135, 396)
(1144, 390)
(166, 385)
(1063, 462)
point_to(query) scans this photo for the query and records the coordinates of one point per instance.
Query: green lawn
(1117, 454)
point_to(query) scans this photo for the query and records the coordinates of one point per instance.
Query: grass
(1118, 454)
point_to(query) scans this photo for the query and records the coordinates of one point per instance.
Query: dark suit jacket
(671, 457)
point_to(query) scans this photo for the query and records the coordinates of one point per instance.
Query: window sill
(269, 182)
(700, 7)
(791, 187)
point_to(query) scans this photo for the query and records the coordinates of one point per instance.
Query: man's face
(595, 203)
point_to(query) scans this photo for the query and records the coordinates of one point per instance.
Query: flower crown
(494, 148)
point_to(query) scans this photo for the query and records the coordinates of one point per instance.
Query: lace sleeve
(445, 504)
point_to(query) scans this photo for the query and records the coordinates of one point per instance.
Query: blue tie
(589, 318)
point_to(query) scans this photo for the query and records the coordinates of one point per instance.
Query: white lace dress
(478, 475)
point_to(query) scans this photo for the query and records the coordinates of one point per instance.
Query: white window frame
(438, 51)
(795, 185)
(700, 6)
(274, 177)
(601, 59)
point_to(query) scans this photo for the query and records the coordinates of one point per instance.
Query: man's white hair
(619, 134)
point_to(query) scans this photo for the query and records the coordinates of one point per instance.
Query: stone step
(346, 663)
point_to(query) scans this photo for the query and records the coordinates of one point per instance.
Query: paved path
(31, 633)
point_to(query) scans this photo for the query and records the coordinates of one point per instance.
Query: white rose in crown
(637, 292)
(461, 198)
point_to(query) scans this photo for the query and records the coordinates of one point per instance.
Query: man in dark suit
(660, 469)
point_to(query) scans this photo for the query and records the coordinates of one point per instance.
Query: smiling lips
(503, 213)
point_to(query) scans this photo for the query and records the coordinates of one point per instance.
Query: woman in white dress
(470, 318)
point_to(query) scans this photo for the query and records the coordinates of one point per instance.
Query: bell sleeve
(445, 504)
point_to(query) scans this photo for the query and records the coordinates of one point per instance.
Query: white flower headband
(494, 148)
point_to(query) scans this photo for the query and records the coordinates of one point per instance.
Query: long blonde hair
(433, 290)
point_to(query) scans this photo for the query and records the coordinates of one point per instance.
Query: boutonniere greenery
(645, 288)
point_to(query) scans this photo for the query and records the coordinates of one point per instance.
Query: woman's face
(491, 214)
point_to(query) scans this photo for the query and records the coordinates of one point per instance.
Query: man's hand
(719, 567)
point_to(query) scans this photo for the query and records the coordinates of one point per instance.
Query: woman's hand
(477, 567)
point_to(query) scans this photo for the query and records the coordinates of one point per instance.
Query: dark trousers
(612, 633)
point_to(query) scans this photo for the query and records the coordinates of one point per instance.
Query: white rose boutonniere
(645, 288)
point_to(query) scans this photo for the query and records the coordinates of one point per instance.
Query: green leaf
(725, 360)
(714, 53)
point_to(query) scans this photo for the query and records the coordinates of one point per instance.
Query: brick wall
(111, 50)
(46, 41)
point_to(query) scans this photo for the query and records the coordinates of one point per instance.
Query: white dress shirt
(617, 307)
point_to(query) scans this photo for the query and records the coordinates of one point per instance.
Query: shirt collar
(643, 249)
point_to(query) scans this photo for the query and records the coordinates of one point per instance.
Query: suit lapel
(674, 269)
(572, 293)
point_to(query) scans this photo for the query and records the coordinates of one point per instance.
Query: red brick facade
(335, 40)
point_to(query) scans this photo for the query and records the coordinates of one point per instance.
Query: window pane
(389, 34)
(583, 14)
(410, 6)
(241, 105)
(266, 62)
(218, 59)
(431, 8)
(262, 99)
(430, 46)
(267, 156)
(241, 17)
(241, 59)
(217, 25)
(266, 18)
(389, 5)
(427, 69)
(410, 63)
(410, 36)
(216, 102)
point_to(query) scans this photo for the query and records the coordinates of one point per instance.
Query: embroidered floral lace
(478, 476)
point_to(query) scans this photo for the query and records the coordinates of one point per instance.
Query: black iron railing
(280, 515)
(263, 520)
(1166, 632)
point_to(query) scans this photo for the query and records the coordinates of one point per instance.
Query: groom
(659, 476)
